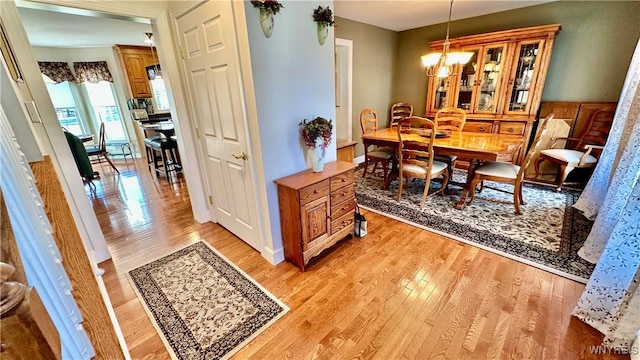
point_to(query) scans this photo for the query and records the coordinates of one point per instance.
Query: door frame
(348, 44)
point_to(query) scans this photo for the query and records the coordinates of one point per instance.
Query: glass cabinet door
(524, 77)
(442, 92)
(490, 72)
(467, 75)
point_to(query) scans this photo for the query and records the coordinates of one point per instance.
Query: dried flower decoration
(314, 129)
(324, 16)
(271, 6)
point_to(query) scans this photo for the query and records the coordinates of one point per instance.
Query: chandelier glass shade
(442, 64)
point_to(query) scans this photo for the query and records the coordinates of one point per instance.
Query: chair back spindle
(451, 119)
(400, 111)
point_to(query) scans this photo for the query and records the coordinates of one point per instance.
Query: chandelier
(442, 64)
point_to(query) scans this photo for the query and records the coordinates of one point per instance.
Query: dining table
(473, 147)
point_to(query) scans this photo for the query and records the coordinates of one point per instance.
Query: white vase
(266, 22)
(316, 156)
(323, 31)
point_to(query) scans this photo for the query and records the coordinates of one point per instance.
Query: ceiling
(56, 29)
(55, 26)
(402, 15)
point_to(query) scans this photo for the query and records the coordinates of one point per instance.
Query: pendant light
(157, 73)
(442, 64)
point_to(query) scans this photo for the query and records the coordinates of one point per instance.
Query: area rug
(203, 306)
(547, 235)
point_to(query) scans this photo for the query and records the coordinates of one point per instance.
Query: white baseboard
(273, 256)
(358, 160)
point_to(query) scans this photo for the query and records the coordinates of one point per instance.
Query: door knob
(242, 155)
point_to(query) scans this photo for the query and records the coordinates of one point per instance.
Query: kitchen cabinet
(501, 86)
(134, 60)
(316, 210)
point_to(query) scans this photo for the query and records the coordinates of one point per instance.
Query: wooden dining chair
(453, 120)
(416, 156)
(399, 111)
(581, 152)
(509, 173)
(377, 155)
(100, 151)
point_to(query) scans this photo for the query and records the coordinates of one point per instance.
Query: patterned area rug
(202, 305)
(547, 235)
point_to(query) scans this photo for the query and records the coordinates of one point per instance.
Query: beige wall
(589, 61)
(373, 68)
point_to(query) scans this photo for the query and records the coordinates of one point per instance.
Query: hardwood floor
(398, 293)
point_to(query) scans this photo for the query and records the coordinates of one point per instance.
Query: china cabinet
(501, 86)
(134, 60)
(316, 210)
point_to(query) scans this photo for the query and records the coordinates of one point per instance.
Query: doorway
(203, 197)
(344, 79)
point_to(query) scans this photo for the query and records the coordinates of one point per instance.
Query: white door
(207, 37)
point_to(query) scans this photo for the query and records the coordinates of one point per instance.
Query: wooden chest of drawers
(316, 210)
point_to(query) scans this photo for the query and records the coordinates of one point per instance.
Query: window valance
(93, 72)
(57, 71)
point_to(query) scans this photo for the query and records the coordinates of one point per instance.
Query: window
(66, 109)
(105, 109)
(160, 93)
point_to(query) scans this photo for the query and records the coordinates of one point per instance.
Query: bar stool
(162, 153)
(149, 148)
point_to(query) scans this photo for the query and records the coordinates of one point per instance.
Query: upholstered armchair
(580, 152)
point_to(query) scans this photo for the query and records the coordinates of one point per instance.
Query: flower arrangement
(314, 129)
(324, 16)
(271, 6)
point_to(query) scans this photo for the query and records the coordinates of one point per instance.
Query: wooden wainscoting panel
(76, 263)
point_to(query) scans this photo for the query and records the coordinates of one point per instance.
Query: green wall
(373, 68)
(590, 57)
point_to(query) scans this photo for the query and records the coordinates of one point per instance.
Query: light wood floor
(398, 293)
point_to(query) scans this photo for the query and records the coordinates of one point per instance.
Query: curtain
(57, 71)
(611, 299)
(92, 72)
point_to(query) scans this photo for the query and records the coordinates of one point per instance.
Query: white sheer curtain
(611, 299)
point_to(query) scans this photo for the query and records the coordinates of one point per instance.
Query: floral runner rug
(203, 306)
(547, 235)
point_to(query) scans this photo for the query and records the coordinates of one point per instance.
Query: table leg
(393, 174)
(467, 187)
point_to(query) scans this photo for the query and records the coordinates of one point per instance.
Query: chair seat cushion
(569, 156)
(381, 153)
(445, 158)
(435, 168)
(498, 169)
(94, 151)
